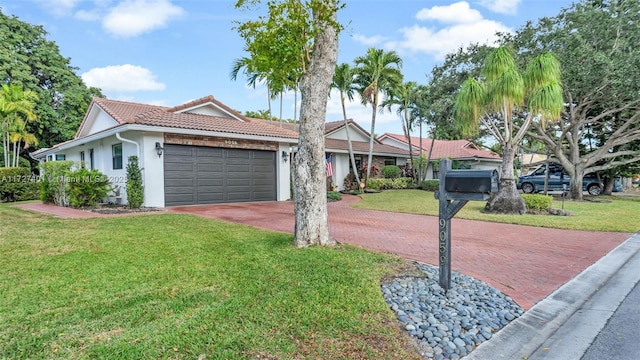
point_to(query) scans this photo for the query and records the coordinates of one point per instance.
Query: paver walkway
(526, 263)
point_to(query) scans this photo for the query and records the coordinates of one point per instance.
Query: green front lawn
(609, 213)
(183, 287)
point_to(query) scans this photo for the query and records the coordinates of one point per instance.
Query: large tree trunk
(576, 187)
(310, 199)
(508, 199)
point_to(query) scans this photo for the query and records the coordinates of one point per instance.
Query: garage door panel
(239, 196)
(182, 182)
(210, 182)
(235, 168)
(201, 175)
(178, 151)
(181, 166)
(238, 154)
(212, 168)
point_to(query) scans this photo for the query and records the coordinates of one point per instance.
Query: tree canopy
(31, 61)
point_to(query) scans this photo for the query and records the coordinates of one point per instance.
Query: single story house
(463, 151)
(201, 152)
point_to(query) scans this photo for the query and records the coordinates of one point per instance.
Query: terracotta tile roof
(154, 115)
(332, 126)
(362, 147)
(456, 149)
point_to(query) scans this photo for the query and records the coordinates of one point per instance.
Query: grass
(182, 287)
(607, 213)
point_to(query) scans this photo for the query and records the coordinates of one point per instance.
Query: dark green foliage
(135, 188)
(86, 187)
(53, 189)
(430, 185)
(391, 172)
(27, 58)
(385, 184)
(17, 184)
(334, 196)
(537, 202)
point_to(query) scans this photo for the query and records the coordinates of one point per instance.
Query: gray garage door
(205, 175)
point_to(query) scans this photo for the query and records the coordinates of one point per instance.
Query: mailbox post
(457, 187)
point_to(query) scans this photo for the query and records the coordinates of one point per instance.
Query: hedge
(17, 184)
(538, 202)
(384, 184)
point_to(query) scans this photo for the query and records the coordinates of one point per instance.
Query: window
(116, 153)
(91, 159)
(82, 158)
(60, 157)
(389, 161)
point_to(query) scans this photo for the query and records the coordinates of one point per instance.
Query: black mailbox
(471, 181)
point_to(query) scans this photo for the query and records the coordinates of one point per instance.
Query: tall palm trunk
(433, 140)
(421, 171)
(407, 134)
(346, 129)
(374, 105)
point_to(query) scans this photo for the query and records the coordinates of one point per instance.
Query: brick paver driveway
(526, 263)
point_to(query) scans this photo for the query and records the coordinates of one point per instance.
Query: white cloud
(464, 26)
(59, 7)
(91, 15)
(369, 40)
(360, 113)
(125, 78)
(509, 7)
(456, 13)
(135, 17)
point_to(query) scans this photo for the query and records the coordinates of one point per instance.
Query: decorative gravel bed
(449, 325)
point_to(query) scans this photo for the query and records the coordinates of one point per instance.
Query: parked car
(559, 180)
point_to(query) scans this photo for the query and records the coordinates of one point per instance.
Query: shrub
(350, 183)
(430, 185)
(17, 184)
(384, 184)
(538, 202)
(135, 188)
(334, 196)
(53, 187)
(391, 172)
(86, 187)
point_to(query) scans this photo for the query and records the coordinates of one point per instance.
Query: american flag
(329, 165)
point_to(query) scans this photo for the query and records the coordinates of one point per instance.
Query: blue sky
(168, 52)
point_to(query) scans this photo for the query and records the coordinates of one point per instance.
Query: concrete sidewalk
(564, 325)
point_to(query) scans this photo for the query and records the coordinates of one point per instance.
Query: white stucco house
(201, 152)
(461, 150)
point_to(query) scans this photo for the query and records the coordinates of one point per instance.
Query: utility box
(471, 181)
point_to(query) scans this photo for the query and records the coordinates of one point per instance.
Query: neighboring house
(463, 151)
(201, 152)
(336, 144)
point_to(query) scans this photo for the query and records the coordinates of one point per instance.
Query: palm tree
(18, 135)
(404, 97)
(377, 71)
(496, 103)
(343, 82)
(15, 103)
(253, 76)
(421, 113)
